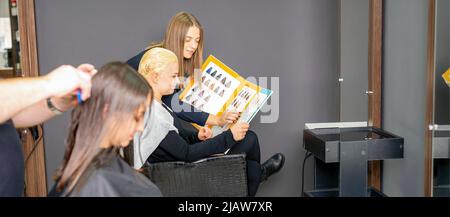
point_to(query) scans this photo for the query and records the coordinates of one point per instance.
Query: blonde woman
(164, 139)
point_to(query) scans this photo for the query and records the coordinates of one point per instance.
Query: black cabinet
(341, 156)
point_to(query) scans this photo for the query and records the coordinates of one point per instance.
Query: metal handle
(436, 127)
(369, 92)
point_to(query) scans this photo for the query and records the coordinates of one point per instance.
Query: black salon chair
(215, 176)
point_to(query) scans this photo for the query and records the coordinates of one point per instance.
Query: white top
(157, 124)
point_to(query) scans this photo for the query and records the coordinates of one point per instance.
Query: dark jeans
(250, 146)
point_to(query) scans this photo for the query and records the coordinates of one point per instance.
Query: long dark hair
(122, 91)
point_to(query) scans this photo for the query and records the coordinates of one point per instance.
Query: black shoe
(272, 165)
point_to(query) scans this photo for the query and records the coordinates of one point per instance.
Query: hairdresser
(27, 102)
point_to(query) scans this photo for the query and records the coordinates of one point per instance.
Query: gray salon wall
(404, 84)
(293, 40)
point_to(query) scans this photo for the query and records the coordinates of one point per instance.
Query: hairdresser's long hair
(174, 41)
(117, 93)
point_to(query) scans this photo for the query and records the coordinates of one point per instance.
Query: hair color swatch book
(221, 89)
(446, 77)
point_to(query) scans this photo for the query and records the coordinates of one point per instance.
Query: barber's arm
(24, 99)
(41, 112)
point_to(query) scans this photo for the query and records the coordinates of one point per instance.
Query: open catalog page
(221, 89)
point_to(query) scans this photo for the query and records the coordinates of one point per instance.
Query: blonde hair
(174, 41)
(156, 60)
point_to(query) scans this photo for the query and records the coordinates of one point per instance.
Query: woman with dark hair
(101, 126)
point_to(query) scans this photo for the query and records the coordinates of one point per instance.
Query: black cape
(12, 168)
(113, 179)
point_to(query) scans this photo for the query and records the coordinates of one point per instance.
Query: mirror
(359, 66)
(353, 55)
(360, 53)
(440, 184)
(9, 39)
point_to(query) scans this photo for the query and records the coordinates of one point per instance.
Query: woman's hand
(239, 130)
(204, 133)
(228, 118)
(225, 118)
